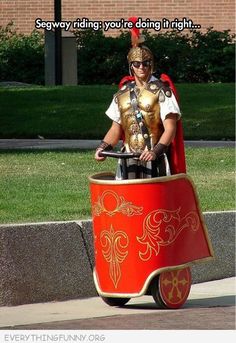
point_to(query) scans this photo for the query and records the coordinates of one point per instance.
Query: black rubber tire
(156, 293)
(115, 301)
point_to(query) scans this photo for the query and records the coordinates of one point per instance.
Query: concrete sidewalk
(214, 298)
(59, 144)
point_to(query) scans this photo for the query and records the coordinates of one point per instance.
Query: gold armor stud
(153, 87)
(168, 93)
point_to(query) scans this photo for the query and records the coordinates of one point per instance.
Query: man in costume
(145, 113)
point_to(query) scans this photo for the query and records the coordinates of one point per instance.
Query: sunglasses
(137, 64)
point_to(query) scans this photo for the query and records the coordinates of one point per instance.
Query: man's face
(141, 69)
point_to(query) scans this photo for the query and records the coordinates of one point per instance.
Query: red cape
(177, 150)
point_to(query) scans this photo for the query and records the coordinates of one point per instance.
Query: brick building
(219, 14)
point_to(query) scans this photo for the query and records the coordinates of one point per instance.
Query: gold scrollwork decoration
(111, 203)
(114, 252)
(162, 227)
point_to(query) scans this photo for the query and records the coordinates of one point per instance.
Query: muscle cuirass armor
(148, 99)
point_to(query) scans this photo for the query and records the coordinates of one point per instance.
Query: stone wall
(54, 261)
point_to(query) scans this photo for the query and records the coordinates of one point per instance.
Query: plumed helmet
(138, 52)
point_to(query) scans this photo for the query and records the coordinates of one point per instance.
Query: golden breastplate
(148, 104)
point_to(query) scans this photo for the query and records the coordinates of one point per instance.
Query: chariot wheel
(171, 289)
(115, 301)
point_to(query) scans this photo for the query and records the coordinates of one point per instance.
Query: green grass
(208, 111)
(79, 112)
(213, 171)
(52, 186)
(55, 112)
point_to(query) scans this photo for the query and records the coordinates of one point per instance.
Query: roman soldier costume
(146, 233)
(141, 112)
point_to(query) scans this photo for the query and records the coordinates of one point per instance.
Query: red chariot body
(147, 233)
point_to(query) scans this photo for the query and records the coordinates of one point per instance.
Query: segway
(147, 234)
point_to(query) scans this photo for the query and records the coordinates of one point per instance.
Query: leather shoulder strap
(139, 117)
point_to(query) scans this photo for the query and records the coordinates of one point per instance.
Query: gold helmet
(138, 52)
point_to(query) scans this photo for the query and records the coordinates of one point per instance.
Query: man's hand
(148, 155)
(97, 157)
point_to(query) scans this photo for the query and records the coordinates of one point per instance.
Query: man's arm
(169, 129)
(168, 135)
(111, 138)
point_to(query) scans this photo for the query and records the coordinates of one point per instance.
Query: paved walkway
(85, 144)
(210, 306)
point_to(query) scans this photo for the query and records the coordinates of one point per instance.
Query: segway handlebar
(119, 154)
